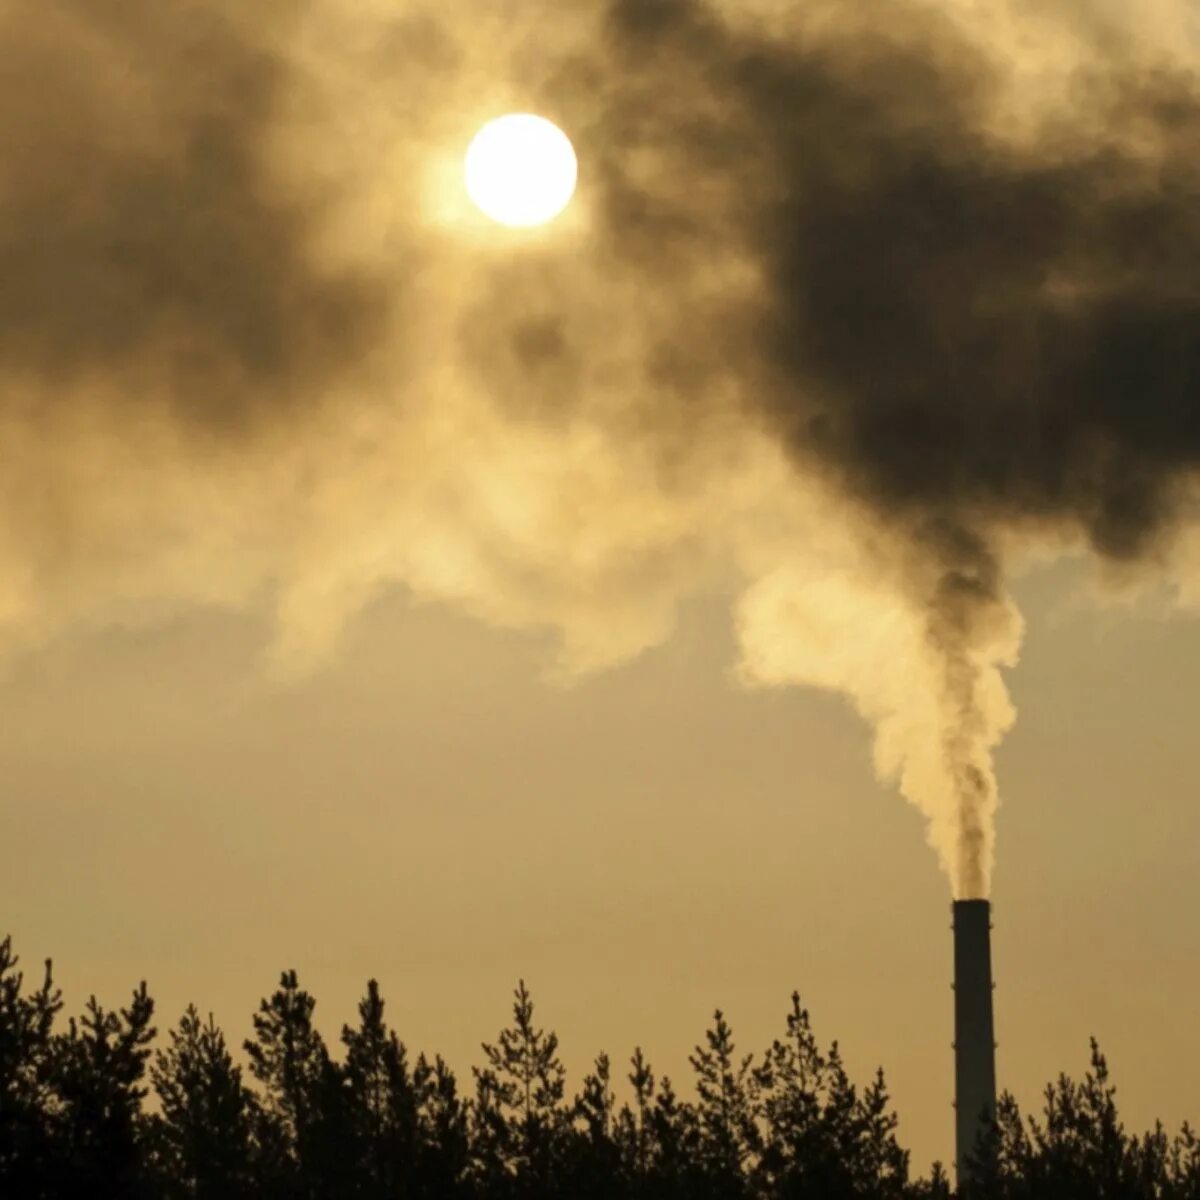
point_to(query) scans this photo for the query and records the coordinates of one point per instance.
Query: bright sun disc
(521, 170)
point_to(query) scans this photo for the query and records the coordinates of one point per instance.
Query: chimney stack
(974, 1035)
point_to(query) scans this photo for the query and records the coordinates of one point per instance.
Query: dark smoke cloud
(839, 312)
(963, 327)
(966, 326)
(142, 233)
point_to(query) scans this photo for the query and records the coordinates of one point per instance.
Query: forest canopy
(100, 1106)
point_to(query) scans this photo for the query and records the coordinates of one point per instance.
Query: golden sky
(384, 592)
(642, 847)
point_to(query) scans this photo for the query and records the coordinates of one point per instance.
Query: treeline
(370, 1123)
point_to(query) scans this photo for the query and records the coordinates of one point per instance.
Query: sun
(521, 170)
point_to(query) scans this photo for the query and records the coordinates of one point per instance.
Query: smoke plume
(859, 303)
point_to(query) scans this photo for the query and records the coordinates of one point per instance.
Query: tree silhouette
(406, 1130)
(1183, 1165)
(633, 1133)
(444, 1150)
(374, 1126)
(521, 1092)
(97, 1068)
(823, 1138)
(1079, 1149)
(305, 1128)
(593, 1167)
(675, 1137)
(490, 1138)
(203, 1134)
(26, 1071)
(726, 1132)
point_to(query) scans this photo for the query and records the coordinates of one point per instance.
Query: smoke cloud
(858, 305)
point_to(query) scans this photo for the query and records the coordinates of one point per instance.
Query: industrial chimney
(974, 1040)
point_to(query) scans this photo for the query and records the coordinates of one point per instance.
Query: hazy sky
(385, 592)
(642, 847)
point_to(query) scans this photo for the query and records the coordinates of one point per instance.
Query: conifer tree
(1183, 1166)
(204, 1129)
(675, 1138)
(26, 1068)
(594, 1104)
(595, 1168)
(525, 1084)
(382, 1103)
(304, 1126)
(726, 1109)
(633, 1133)
(839, 1125)
(795, 1126)
(444, 1139)
(822, 1136)
(792, 1079)
(881, 1163)
(936, 1187)
(492, 1137)
(97, 1071)
(1080, 1147)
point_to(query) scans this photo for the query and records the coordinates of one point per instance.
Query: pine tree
(26, 1028)
(444, 1140)
(1183, 1166)
(204, 1129)
(525, 1083)
(492, 1136)
(727, 1108)
(633, 1134)
(1080, 1147)
(675, 1146)
(595, 1162)
(304, 1125)
(97, 1071)
(823, 1136)
(382, 1103)
(792, 1079)
(936, 1187)
(881, 1165)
